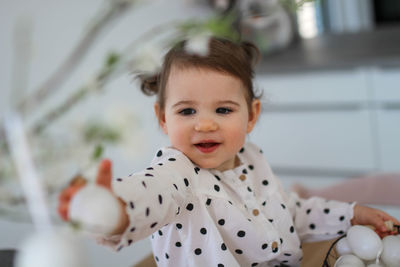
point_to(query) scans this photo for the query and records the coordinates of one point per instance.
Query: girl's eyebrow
(228, 102)
(191, 103)
(183, 102)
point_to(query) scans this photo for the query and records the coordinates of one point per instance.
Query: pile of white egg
(362, 247)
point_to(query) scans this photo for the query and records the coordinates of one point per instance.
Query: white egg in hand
(391, 251)
(349, 261)
(51, 249)
(96, 209)
(364, 242)
(342, 247)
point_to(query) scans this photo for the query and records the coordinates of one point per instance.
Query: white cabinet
(389, 138)
(331, 123)
(386, 84)
(314, 87)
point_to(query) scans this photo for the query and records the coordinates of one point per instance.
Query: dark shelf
(380, 47)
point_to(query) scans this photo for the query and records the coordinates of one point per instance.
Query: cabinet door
(317, 121)
(386, 88)
(315, 87)
(389, 139)
(333, 140)
(386, 84)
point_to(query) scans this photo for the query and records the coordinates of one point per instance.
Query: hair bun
(252, 52)
(149, 84)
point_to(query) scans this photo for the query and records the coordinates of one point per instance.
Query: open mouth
(207, 147)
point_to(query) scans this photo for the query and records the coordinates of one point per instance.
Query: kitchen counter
(380, 47)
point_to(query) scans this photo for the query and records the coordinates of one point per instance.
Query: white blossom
(198, 44)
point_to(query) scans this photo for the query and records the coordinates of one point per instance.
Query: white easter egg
(349, 260)
(391, 251)
(342, 247)
(96, 209)
(51, 249)
(364, 242)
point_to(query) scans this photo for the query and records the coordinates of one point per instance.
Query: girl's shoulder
(253, 155)
(251, 151)
(167, 153)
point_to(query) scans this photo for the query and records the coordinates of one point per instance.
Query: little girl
(210, 199)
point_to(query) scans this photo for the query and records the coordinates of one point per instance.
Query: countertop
(380, 47)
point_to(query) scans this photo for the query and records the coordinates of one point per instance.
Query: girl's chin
(220, 167)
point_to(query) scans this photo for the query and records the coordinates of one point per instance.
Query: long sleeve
(155, 196)
(319, 219)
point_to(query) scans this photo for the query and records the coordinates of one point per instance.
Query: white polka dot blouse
(239, 217)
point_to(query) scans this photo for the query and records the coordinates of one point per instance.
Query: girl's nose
(206, 125)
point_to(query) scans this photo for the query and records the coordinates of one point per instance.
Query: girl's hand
(364, 215)
(103, 178)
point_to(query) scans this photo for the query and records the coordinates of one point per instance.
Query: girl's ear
(254, 112)
(160, 114)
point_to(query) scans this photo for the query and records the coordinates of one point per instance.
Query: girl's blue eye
(187, 111)
(224, 110)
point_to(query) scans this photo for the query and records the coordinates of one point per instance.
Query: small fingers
(65, 198)
(104, 173)
(63, 210)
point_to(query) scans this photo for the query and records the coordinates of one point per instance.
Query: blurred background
(330, 73)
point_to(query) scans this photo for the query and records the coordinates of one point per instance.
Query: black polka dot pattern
(223, 196)
(189, 207)
(241, 233)
(186, 181)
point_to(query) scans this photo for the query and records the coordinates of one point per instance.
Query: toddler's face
(206, 116)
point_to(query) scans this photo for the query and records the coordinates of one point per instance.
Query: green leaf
(112, 59)
(97, 152)
(217, 25)
(294, 5)
(97, 132)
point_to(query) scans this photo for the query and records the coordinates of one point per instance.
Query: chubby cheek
(236, 137)
(179, 138)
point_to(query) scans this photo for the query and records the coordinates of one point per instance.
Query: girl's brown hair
(236, 59)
